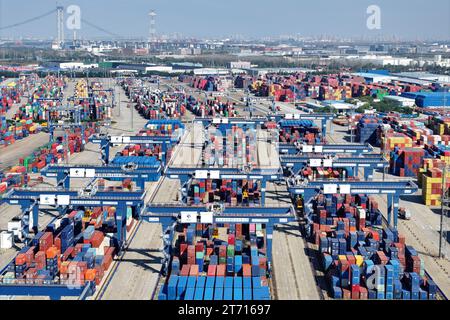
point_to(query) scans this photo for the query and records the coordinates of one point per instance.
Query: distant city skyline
(402, 19)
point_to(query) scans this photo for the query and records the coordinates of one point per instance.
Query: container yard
(223, 165)
(277, 206)
(239, 187)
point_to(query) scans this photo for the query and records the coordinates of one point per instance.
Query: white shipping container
(6, 240)
(15, 227)
(362, 213)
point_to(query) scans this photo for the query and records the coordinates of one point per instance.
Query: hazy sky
(412, 19)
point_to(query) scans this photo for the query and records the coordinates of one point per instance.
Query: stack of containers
(429, 163)
(392, 140)
(432, 186)
(70, 249)
(15, 177)
(216, 269)
(367, 130)
(299, 131)
(239, 192)
(406, 162)
(352, 247)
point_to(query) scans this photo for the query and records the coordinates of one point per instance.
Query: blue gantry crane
(292, 119)
(329, 149)
(106, 141)
(136, 172)
(368, 162)
(48, 289)
(392, 189)
(246, 173)
(171, 215)
(31, 200)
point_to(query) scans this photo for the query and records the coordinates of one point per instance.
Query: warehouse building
(401, 101)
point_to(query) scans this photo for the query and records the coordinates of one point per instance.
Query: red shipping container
(351, 259)
(97, 239)
(199, 247)
(355, 292)
(29, 256)
(58, 243)
(109, 251)
(221, 270)
(20, 259)
(39, 258)
(46, 241)
(231, 239)
(68, 253)
(185, 270)
(211, 270)
(99, 274)
(193, 270)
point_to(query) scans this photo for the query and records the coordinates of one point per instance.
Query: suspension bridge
(59, 13)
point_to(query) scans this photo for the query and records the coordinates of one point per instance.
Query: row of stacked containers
(71, 250)
(207, 83)
(152, 104)
(336, 87)
(153, 128)
(13, 177)
(16, 128)
(231, 192)
(36, 110)
(362, 259)
(236, 148)
(293, 131)
(48, 93)
(419, 149)
(55, 152)
(213, 107)
(218, 262)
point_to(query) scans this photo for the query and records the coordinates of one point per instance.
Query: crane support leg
(389, 209)
(396, 200)
(121, 221)
(269, 236)
(368, 173)
(263, 192)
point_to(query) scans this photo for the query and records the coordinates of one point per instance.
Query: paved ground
(293, 276)
(9, 156)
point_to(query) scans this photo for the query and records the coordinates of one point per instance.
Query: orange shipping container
(51, 252)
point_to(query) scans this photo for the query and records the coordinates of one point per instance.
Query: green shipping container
(230, 251)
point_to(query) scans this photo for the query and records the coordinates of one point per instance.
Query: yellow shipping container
(359, 260)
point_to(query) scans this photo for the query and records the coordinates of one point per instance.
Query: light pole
(119, 103)
(445, 201)
(444, 210)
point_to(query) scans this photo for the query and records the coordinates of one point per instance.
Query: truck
(404, 214)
